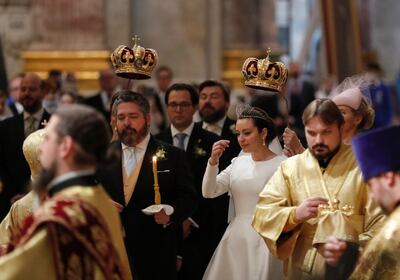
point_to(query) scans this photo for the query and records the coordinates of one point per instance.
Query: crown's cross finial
(135, 40)
(268, 52)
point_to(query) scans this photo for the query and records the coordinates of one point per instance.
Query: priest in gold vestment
(314, 195)
(76, 232)
(378, 155)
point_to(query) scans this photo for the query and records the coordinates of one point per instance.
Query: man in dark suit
(108, 86)
(151, 240)
(213, 105)
(14, 170)
(299, 93)
(182, 101)
(156, 96)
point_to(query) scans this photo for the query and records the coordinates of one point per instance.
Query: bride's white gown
(242, 253)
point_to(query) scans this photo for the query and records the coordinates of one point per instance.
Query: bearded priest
(314, 195)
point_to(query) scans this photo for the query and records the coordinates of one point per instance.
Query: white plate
(155, 208)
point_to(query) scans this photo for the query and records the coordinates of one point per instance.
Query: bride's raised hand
(217, 151)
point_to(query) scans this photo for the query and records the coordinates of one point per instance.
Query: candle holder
(157, 206)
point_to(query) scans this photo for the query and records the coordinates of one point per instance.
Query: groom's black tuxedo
(152, 248)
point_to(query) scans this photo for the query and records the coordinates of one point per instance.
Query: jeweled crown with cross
(134, 63)
(264, 74)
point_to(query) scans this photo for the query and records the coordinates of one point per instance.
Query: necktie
(29, 125)
(181, 140)
(130, 159)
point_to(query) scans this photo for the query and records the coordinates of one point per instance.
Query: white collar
(188, 130)
(140, 146)
(37, 115)
(219, 123)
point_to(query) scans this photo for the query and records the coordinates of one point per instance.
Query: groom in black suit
(151, 240)
(14, 170)
(182, 101)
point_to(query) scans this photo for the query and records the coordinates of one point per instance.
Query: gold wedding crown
(134, 63)
(264, 74)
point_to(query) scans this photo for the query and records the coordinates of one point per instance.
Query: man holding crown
(314, 195)
(378, 155)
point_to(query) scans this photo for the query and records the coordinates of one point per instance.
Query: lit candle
(157, 195)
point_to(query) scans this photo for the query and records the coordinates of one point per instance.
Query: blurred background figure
(380, 96)
(108, 82)
(326, 87)
(68, 98)
(55, 79)
(51, 92)
(397, 98)
(70, 83)
(299, 92)
(156, 97)
(14, 89)
(5, 111)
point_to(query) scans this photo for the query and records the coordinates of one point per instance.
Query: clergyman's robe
(19, 210)
(76, 232)
(298, 178)
(381, 257)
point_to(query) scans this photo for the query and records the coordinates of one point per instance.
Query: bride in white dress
(242, 253)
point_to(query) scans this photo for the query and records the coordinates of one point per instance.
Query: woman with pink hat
(357, 112)
(356, 109)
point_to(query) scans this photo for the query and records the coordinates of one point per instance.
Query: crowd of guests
(254, 197)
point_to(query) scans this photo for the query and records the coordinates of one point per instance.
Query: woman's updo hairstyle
(260, 119)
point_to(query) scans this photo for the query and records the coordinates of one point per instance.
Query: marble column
(118, 28)
(268, 28)
(249, 24)
(178, 31)
(15, 32)
(241, 24)
(386, 35)
(214, 40)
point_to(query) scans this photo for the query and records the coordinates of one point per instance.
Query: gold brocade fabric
(30, 150)
(34, 259)
(297, 179)
(19, 210)
(381, 257)
(340, 225)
